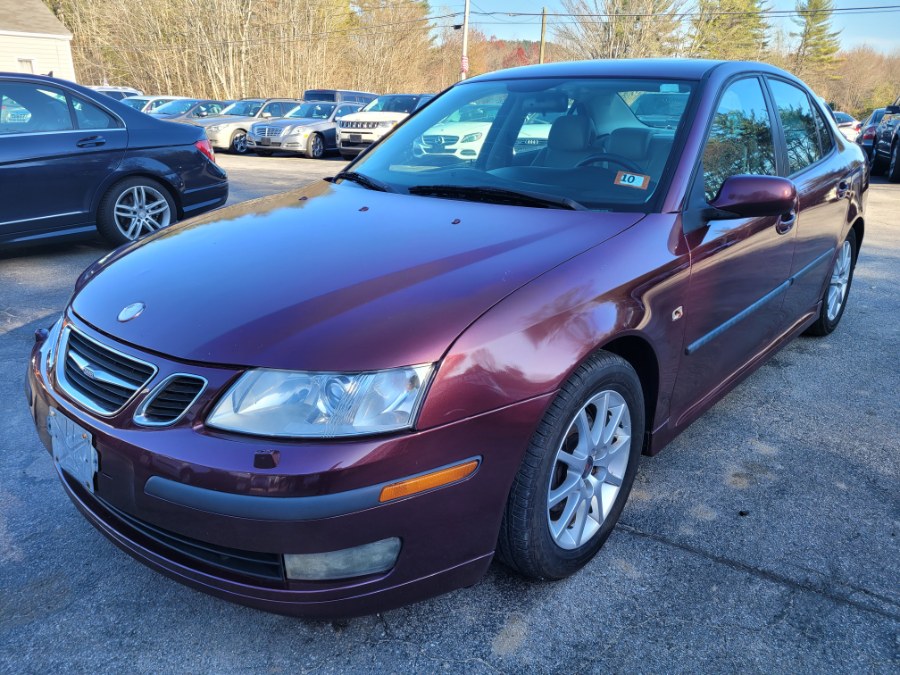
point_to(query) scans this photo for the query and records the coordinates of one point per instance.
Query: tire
(839, 282)
(527, 543)
(124, 215)
(238, 143)
(879, 164)
(265, 153)
(315, 146)
(893, 171)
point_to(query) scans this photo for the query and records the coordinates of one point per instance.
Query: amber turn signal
(429, 481)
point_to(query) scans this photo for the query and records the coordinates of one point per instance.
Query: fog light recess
(359, 561)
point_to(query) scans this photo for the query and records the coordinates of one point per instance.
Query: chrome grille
(99, 377)
(170, 400)
(353, 124)
(440, 140)
(268, 132)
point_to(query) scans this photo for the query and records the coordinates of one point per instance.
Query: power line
(874, 9)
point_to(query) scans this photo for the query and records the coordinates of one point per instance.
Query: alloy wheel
(840, 280)
(239, 143)
(589, 469)
(317, 146)
(140, 210)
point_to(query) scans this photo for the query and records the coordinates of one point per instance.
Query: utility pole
(464, 61)
(543, 32)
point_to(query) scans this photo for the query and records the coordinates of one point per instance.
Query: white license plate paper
(73, 449)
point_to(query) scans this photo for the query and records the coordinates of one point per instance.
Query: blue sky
(880, 31)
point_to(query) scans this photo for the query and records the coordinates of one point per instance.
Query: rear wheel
(879, 164)
(893, 172)
(133, 208)
(834, 301)
(315, 146)
(577, 472)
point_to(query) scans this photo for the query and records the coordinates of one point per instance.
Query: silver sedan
(310, 129)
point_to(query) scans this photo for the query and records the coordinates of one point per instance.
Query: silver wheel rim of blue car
(588, 469)
(141, 210)
(840, 279)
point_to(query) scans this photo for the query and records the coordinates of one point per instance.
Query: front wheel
(834, 301)
(134, 207)
(238, 143)
(577, 472)
(315, 147)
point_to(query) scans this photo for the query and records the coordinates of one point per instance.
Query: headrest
(630, 143)
(570, 132)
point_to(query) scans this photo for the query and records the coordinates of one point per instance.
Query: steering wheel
(624, 162)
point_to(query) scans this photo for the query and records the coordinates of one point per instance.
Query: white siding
(48, 53)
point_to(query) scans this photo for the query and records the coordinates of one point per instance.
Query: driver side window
(740, 138)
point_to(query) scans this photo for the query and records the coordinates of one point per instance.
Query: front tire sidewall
(893, 171)
(541, 557)
(823, 325)
(310, 147)
(238, 143)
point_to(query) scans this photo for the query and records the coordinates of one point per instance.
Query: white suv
(358, 131)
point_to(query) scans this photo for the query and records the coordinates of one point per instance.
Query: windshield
(842, 117)
(175, 107)
(601, 142)
(243, 108)
(135, 102)
(317, 111)
(394, 104)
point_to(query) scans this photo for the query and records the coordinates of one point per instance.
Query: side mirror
(202, 113)
(753, 197)
(266, 115)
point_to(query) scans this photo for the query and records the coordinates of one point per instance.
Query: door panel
(49, 170)
(739, 267)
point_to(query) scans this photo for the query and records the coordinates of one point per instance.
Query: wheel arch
(859, 228)
(641, 356)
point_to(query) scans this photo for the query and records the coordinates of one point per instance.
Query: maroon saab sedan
(353, 396)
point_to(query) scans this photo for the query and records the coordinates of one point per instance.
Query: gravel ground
(762, 539)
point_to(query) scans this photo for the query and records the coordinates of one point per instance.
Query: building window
(26, 66)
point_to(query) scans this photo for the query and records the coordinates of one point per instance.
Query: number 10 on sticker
(635, 180)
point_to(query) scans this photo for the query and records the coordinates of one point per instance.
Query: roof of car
(679, 69)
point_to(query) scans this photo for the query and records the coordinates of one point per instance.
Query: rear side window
(801, 135)
(32, 108)
(826, 140)
(740, 139)
(90, 116)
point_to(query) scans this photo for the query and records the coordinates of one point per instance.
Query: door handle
(91, 142)
(786, 222)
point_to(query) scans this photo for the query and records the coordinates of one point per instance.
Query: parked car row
(885, 142)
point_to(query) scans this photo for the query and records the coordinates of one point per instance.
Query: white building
(33, 40)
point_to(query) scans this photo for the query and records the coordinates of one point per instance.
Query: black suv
(886, 145)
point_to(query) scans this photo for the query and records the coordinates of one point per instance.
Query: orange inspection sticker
(635, 180)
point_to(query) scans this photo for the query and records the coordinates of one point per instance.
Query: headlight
(386, 125)
(471, 138)
(214, 127)
(296, 131)
(322, 405)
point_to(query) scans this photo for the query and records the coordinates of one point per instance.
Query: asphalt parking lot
(764, 539)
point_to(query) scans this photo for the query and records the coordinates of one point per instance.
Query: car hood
(221, 119)
(332, 277)
(283, 122)
(376, 117)
(457, 128)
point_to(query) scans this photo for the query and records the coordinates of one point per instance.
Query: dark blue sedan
(73, 160)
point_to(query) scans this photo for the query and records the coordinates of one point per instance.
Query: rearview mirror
(754, 197)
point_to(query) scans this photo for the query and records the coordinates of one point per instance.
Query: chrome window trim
(66, 388)
(139, 414)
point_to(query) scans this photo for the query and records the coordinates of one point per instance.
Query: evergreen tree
(729, 29)
(817, 51)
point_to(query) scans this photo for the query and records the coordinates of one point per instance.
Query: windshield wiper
(362, 179)
(496, 195)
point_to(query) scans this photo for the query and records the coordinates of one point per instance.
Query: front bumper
(292, 144)
(448, 535)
